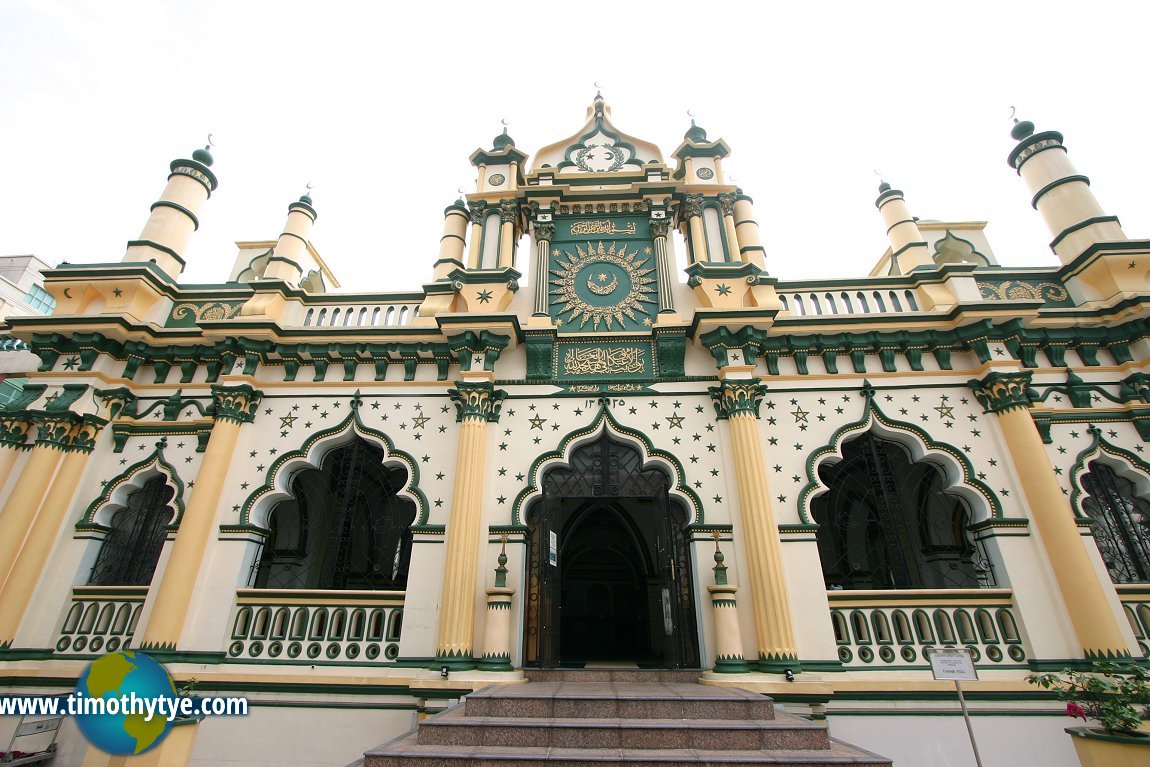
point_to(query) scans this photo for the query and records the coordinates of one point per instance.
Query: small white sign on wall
(953, 665)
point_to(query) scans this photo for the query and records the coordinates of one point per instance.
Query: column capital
(693, 205)
(543, 232)
(14, 429)
(660, 227)
(476, 401)
(727, 202)
(1000, 392)
(476, 210)
(54, 430)
(508, 211)
(737, 397)
(236, 403)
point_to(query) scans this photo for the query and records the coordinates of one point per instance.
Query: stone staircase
(615, 717)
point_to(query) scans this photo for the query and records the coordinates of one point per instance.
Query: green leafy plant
(1110, 694)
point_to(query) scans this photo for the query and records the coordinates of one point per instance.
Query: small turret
(291, 259)
(907, 246)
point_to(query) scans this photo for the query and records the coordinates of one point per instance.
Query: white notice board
(952, 663)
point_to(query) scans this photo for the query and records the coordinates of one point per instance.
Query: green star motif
(723, 290)
(484, 296)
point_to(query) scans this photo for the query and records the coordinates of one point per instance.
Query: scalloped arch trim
(115, 494)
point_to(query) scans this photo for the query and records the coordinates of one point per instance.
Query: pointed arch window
(345, 526)
(1120, 521)
(887, 522)
(136, 537)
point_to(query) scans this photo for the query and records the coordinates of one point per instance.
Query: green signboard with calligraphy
(603, 360)
(602, 274)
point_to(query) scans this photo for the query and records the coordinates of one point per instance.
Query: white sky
(379, 108)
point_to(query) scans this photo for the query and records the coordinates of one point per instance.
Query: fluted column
(659, 230)
(737, 402)
(728, 636)
(234, 406)
(727, 205)
(476, 403)
(693, 207)
(1087, 598)
(53, 431)
(543, 234)
(508, 212)
(29, 563)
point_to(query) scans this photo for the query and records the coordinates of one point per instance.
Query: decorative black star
(777, 468)
(993, 462)
(425, 458)
(260, 467)
(518, 477)
(484, 296)
(718, 499)
(653, 403)
(438, 502)
(502, 471)
(123, 461)
(773, 440)
(554, 427)
(710, 448)
(442, 429)
(578, 411)
(782, 499)
(698, 408)
(502, 445)
(117, 292)
(698, 484)
(420, 422)
(676, 440)
(710, 427)
(398, 405)
(501, 499)
(439, 476)
(632, 410)
(839, 410)
(537, 422)
(243, 486)
(323, 414)
(307, 424)
(444, 409)
(723, 290)
(694, 459)
(655, 426)
(675, 421)
(1005, 493)
(714, 472)
(71, 363)
(982, 475)
(537, 440)
(798, 446)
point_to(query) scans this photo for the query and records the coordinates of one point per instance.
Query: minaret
(908, 249)
(1061, 194)
(174, 215)
(291, 260)
(496, 218)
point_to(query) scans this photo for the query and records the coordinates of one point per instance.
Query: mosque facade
(354, 508)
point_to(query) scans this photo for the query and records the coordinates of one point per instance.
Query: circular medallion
(496, 179)
(705, 173)
(603, 285)
(599, 158)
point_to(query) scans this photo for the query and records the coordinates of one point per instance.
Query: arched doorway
(609, 576)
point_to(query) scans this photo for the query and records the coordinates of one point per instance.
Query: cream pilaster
(750, 243)
(543, 234)
(727, 205)
(13, 443)
(476, 214)
(693, 207)
(29, 563)
(53, 431)
(476, 402)
(1087, 598)
(508, 212)
(234, 406)
(728, 636)
(659, 230)
(737, 402)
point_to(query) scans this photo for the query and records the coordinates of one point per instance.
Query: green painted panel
(603, 360)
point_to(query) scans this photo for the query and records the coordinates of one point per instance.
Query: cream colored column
(497, 633)
(1061, 194)
(16, 592)
(476, 213)
(452, 242)
(728, 636)
(1087, 598)
(906, 243)
(543, 234)
(174, 216)
(693, 206)
(234, 406)
(508, 212)
(727, 205)
(476, 402)
(750, 242)
(287, 261)
(737, 401)
(52, 435)
(659, 230)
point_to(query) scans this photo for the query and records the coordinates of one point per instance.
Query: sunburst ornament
(604, 286)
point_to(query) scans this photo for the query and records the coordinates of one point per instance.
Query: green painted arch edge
(601, 124)
(871, 414)
(155, 458)
(602, 420)
(354, 424)
(1097, 447)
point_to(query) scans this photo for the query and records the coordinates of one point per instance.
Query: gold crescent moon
(603, 290)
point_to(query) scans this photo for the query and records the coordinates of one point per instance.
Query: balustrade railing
(359, 314)
(850, 301)
(1136, 605)
(894, 629)
(100, 619)
(305, 626)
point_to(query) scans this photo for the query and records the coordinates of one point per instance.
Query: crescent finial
(1013, 112)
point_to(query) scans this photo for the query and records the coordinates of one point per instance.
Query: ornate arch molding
(98, 515)
(1124, 463)
(276, 486)
(605, 422)
(956, 467)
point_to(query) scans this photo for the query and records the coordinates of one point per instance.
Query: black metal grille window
(887, 523)
(136, 538)
(1121, 524)
(345, 526)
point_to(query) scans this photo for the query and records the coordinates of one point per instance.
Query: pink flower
(1075, 711)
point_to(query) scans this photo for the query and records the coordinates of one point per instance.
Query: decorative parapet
(1051, 293)
(477, 401)
(1000, 392)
